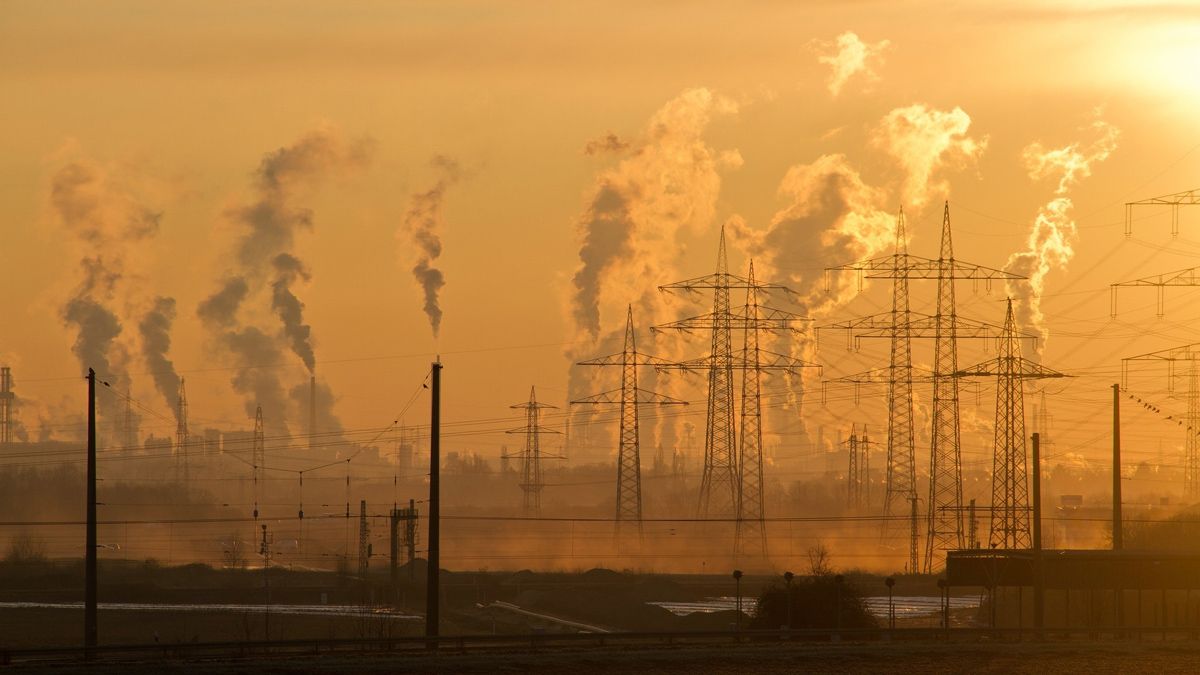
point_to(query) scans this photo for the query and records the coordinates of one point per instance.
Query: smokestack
(312, 411)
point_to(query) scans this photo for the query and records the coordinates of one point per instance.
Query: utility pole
(1117, 524)
(91, 630)
(435, 443)
(1010, 486)
(1039, 582)
(629, 397)
(531, 457)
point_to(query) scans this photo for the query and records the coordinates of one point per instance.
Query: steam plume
(267, 268)
(924, 140)
(290, 310)
(106, 222)
(155, 329)
(847, 56)
(422, 222)
(667, 181)
(1052, 236)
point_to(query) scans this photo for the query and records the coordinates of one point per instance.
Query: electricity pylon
(258, 457)
(1010, 474)
(901, 326)
(1186, 198)
(629, 396)
(1189, 354)
(744, 471)
(531, 457)
(182, 437)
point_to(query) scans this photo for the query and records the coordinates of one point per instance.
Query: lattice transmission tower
(629, 396)
(182, 436)
(258, 458)
(858, 470)
(7, 404)
(531, 456)
(1010, 473)
(1189, 354)
(944, 521)
(741, 470)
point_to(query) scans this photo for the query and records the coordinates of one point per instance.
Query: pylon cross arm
(1185, 277)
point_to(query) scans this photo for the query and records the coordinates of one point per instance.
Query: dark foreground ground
(769, 659)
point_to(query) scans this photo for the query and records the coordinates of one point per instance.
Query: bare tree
(819, 560)
(233, 555)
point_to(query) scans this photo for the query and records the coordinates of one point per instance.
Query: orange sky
(177, 104)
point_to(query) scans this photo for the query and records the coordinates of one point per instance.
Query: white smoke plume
(1050, 244)
(666, 181)
(924, 141)
(107, 223)
(831, 217)
(266, 267)
(848, 56)
(422, 224)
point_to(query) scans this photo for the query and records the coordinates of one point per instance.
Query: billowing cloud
(1050, 243)
(848, 56)
(925, 141)
(669, 181)
(422, 226)
(106, 223)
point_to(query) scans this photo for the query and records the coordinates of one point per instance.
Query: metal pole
(1116, 470)
(90, 627)
(431, 578)
(1117, 526)
(1039, 583)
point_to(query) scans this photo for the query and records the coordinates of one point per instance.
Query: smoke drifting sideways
(924, 141)
(106, 222)
(262, 281)
(848, 56)
(422, 225)
(665, 181)
(1051, 239)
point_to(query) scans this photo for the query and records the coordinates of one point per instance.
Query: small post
(431, 578)
(91, 630)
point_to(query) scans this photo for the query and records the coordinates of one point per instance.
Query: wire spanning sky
(516, 173)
